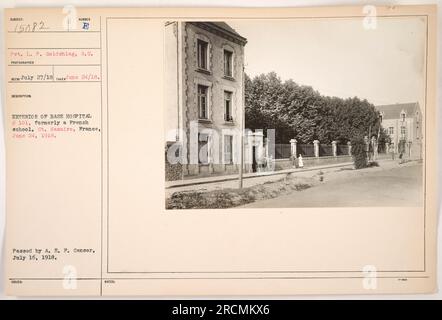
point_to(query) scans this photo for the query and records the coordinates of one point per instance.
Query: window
(228, 144)
(380, 118)
(202, 54)
(391, 130)
(403, 131)
(403, 116)
(203, 148)
(228, 63)
(203, 110)
(228, 106)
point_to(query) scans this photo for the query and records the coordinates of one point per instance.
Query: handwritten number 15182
(30, 27)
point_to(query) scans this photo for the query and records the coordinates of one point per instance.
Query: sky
(339, 57)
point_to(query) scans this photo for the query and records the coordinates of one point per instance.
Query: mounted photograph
(295, 113)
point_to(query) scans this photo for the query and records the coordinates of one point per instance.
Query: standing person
(374, 144)
(367, 148)
(392, 151)
(300, 162)
(401, 150)
(370, 150)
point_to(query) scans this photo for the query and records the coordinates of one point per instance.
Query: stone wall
(172, 171)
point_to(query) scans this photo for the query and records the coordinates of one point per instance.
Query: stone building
(403, 122)
(204, 88)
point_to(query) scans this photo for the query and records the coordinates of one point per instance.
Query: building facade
(403, 122)
(204, 89)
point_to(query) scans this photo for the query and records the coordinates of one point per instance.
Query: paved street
(397, 186)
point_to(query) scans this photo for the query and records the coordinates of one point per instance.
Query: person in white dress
(300, 162)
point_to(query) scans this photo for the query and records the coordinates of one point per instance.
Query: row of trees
(301, 112)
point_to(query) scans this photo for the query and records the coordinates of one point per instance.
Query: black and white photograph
(321, 112)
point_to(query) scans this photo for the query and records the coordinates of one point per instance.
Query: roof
(225, 26)
(393, 111)
(222, 28)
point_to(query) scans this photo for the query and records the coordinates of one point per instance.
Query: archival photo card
(320, 112)
(220, 151)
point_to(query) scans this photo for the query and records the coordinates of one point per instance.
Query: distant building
(403, 122)
(204, 89)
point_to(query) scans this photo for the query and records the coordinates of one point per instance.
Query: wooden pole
(241, 134)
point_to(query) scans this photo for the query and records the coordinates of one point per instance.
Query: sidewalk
(233, 177)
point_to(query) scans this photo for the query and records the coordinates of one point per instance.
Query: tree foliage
(300, 112)
(359, 152)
